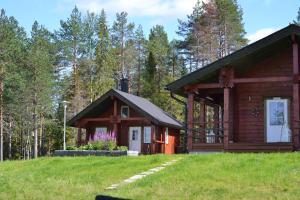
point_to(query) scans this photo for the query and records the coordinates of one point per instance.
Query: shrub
(122, 148)
(99, 145)
(71, 148)
(111, 145)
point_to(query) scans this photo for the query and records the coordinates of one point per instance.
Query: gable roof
(240, 58)
(142, 105)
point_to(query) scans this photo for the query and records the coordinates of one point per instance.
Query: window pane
(101, 130)
(276, 110)
(124, 112)
(134, 135)
(147, 135)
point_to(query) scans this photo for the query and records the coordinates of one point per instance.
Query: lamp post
(65, 103)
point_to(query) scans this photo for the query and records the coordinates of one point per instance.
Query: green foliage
(99, 145)
(110, 145)
(71, 148)
(214, 30)
(122, 148)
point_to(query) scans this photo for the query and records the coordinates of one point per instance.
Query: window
(134, 135)
(124, 111)
(101, 130)
(167, 136)
(276, 113)
(147, 135)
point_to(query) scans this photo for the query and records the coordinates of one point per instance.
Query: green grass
(214, 176)
(222, 176)
(69, 178)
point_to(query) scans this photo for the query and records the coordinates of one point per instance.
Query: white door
(135, 139)
(277, 125)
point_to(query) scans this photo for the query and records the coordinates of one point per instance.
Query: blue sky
(261, 17)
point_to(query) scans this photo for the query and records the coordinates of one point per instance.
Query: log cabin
(247, 101)
(138, 124)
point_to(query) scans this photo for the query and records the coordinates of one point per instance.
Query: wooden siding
(250, 97)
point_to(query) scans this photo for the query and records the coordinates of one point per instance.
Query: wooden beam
(195, 87)
(190, 120)
(115, 126)
(135, 119)
(226, 124)
(97, 119)
(263, 79)
(295, 132)
(153, 138)
(79, 135)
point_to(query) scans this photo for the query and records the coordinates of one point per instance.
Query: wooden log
(295, 132)
(190, 120)
(115, 125)
(263, 79)
(79, 135)
(226, 117)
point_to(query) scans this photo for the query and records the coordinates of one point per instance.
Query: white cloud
(140, 8)
(260, 34)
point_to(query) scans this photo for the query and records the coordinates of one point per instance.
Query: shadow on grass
(103, 197)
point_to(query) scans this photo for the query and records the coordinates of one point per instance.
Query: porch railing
(208, 136)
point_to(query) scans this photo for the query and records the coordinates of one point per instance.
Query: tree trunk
(1, 120)
(35, 126)
(9, 140)
(41, 133)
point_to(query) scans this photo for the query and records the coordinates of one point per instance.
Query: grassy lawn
(69, 178)
(222, 176)
(214, 176)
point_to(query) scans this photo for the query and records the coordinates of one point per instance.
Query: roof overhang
(241, 58)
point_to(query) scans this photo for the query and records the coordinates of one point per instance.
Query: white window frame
(167, 135)
(122, 107)
(147, 135)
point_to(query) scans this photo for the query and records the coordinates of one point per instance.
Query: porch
(235, 114)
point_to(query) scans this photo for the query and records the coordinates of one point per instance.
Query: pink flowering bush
(103, 141)
(101, 136)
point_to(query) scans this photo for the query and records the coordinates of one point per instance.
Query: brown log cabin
(247, 101)
(138, 124)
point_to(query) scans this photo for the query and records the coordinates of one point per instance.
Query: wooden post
(202, 121)
(79, 134)
(226, 117)
(87, 135)
(190, 120)
(115, 126)
(153, 139)
(295, 132)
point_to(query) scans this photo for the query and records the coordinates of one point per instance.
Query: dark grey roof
(142, 105)
(240, 58)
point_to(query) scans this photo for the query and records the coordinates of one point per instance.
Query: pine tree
(41, 61)
(140, 46)
(122, 40)
(70, 39)
(12, 56)
(149, 77)
(298, 18)
(88, 62)
(105, 60)
(213, 30)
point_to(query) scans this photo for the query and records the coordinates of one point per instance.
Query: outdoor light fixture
(65, 103)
